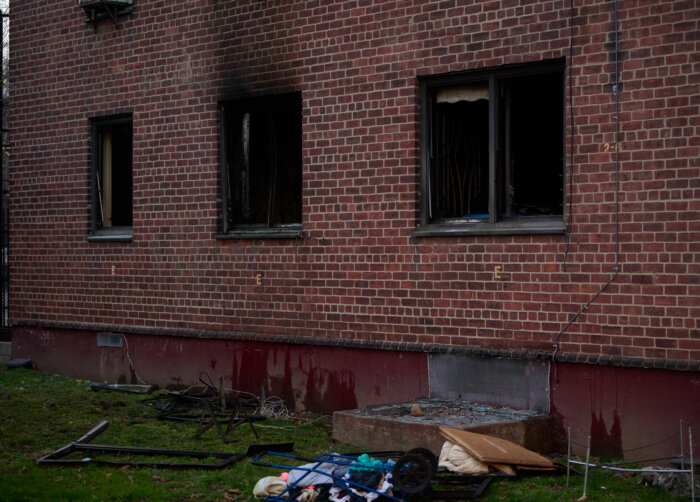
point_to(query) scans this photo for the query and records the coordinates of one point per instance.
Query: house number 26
(608, 148)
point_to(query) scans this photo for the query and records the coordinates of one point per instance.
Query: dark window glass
(532, 136)
(262, 162)
(112, 174)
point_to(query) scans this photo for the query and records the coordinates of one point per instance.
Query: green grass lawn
(41, 413)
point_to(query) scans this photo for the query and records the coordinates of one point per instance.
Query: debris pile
(452, 413)
(467, 465)
(212, 406)
(677, 484)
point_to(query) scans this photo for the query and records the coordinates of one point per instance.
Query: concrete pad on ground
(393, 428)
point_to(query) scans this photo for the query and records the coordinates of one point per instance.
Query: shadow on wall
(604, 443)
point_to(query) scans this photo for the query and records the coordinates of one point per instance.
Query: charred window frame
(492, 151)
(112, 178)
(261, 167)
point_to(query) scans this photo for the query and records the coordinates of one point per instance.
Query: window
(112, 177)
(261, 166)
(492, 151)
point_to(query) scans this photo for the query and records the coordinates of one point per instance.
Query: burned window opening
(532, 142)
(459, 177)
(261, 156)
(493, 147)
(112, 175)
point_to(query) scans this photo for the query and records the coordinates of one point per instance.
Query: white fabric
(455, 459)
(270, 485)
(335, 495)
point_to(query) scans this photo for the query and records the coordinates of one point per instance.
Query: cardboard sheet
(494, 450)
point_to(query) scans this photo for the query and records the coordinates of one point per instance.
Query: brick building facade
(357, 202)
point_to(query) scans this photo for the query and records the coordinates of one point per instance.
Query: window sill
(516, 226)
(263, 233)
(120, 234)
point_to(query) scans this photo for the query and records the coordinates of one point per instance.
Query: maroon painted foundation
(321, 379)
(630, 412)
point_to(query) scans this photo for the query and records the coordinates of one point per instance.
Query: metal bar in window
(223, 159)
(98, 179)
(508, 164)
(272, 165)
(426, 204)
(244, 174)
(493, 145)
(106, 163)
(428, 119)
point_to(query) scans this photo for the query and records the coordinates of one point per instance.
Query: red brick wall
(358, 273)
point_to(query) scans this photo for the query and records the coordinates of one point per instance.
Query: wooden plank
(490, 449)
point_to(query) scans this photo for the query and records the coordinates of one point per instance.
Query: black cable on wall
(616, 88)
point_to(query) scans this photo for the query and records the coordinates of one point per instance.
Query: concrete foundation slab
(392, 427)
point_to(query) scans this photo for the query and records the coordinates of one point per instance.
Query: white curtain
(470, 93)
